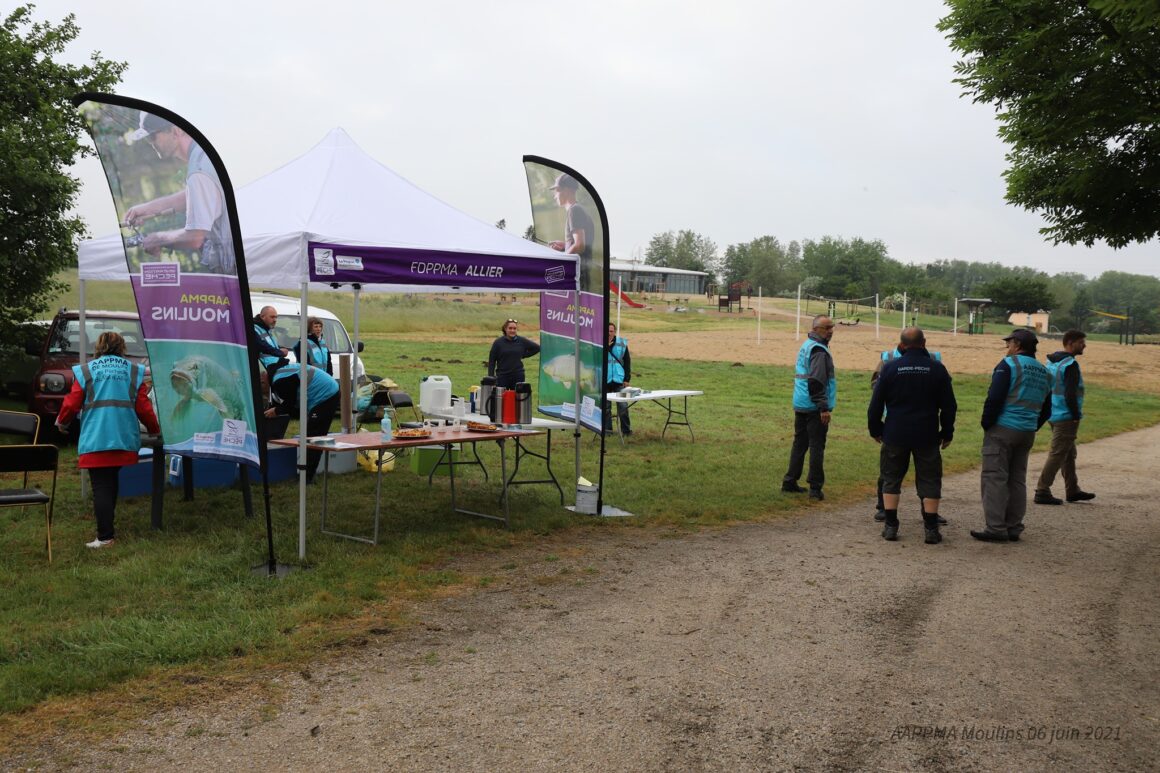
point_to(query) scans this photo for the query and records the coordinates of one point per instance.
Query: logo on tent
(323, 261)
(555, 274)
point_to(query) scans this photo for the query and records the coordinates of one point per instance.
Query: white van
(288, 329)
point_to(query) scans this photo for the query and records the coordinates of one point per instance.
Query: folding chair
(24, 425)
(397, 399)
(30, 458)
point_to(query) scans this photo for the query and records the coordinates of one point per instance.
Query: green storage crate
(424, 459)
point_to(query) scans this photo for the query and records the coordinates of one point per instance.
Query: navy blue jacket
(914, 394)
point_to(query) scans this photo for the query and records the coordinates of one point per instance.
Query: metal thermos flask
(484, 403)
(523, 403)
(495, 404)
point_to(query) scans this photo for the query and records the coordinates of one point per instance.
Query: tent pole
(797, 332)
(84, 347)
(759, 316)
(302, 416)
(347, 424)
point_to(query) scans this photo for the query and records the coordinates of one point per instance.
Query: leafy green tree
(1077, 87)
(1119, 292)
(847, 268)
(765, 263)
(683, 249)
(1012, 294)
(40, 133)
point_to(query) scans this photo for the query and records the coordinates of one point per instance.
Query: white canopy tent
(337, 194)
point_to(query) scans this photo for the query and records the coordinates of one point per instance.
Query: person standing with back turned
(815, 391)
(1066, 411)
(114, 395)
(1017, 405)
(915, 395)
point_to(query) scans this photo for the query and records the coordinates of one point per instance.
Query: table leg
(522, 451)
(671, 412)
(378, 489)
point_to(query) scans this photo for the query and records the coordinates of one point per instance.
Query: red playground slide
(616, 291)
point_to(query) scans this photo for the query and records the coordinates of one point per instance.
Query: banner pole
(797, 333)
(302, 418)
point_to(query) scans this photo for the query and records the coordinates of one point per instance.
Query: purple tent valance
(348, 264)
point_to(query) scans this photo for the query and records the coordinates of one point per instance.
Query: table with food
(405, 437)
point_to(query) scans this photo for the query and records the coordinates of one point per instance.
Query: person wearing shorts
(912, 415)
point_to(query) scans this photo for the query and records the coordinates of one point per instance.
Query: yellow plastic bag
(369, 460)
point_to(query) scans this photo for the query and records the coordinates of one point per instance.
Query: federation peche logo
(555, 274)
(323, 261)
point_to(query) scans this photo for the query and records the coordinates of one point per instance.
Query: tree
(848, 268)
(40, 133)
(685, 249)
(1012, 294)
(764, 263)
(1077, 87)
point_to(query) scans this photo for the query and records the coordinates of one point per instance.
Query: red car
(61, 351)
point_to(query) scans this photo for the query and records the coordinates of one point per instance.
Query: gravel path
(808, 644)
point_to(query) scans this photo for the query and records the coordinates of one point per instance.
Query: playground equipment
(975, 308)
(1127, 335)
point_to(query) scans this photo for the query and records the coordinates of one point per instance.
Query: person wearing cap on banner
(1017, 405)
(578, 227)
(505, 361)
(201, 199)
(1066, 411)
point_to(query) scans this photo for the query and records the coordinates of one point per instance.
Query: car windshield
(66, 336)
(287, 330)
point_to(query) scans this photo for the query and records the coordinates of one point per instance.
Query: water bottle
(387, 426)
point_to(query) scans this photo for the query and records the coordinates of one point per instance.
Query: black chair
(28, 459)
(400, 399)
(24, 425)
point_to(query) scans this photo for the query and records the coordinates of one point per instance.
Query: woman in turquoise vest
(112, 395)
(319, 355)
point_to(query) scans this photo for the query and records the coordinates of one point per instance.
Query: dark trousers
(621, 411)
(104, 483)
(318, 423)
(808, 434)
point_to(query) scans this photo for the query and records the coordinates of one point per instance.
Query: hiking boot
(988, 536)
(880, 516)
(942, 521)
(816, 493)
(890, 532)
(1080, 496)
(933, 537)
(1047, 499)
(792, 488)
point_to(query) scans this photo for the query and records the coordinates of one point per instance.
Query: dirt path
(804, 644)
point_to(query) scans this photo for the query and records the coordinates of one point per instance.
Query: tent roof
(337, 193)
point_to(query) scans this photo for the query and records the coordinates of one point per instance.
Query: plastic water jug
(434, 394)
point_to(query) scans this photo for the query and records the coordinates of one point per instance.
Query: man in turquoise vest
(1066, 411)
(1017, 405)
(619, 376)
(815, 391)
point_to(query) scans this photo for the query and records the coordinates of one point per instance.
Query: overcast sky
(735, 119)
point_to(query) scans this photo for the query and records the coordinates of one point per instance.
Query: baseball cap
(1023, 336)
(564, 181)
(148, 124)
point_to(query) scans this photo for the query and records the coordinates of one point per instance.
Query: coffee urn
(483, 403)
(495, 405)
(523, 403)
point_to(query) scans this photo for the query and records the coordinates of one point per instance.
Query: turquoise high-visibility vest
(801, 388)
(616, 354)
(1030, 385)
(109, 417)
(319, 353)
(267, 335)
(1059, 409)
